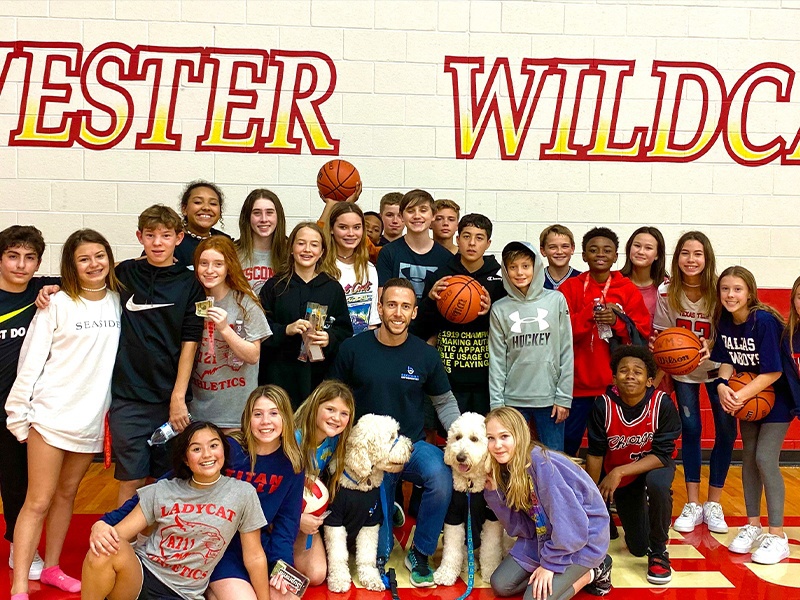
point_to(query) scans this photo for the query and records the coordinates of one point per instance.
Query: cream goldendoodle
(467, 455)
(374, 447)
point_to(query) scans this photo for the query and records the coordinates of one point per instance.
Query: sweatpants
(510, 579)
(644, 508)
(761, 453)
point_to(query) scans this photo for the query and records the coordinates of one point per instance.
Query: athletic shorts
(153, 588)
(131, 424)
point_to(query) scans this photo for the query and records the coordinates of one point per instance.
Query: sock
(20, 596)
(57, 578)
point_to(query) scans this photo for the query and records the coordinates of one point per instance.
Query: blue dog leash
(470, 553)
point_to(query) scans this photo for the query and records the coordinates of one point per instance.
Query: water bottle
(233, 360)
(603, 329)
(163, 434)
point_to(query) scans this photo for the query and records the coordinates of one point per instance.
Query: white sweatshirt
(63, 385)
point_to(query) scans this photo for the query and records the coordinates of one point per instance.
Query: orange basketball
(757, 407)
(677, 351)
(337, 180)
(460, 302)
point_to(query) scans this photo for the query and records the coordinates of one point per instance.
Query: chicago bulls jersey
(629, 441)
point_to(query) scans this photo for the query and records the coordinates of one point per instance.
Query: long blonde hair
(794, 318)
(305, 420)
(708, 278)
(513, 478)
(246, 438)
(753, 303)
(361, 253)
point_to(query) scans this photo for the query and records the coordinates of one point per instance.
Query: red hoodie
(592, 355)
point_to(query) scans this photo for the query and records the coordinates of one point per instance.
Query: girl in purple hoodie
(555, 511)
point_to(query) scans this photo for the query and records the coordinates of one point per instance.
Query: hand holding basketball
(677, 351)
(460, 302)
(755, 406)
(339, 180)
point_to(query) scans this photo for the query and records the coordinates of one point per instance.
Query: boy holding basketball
(530, 347)
(557, 245)
(605, 308)
(632, 433)
(464, 347)
(21, 249)
(445, 222)
(415, 254)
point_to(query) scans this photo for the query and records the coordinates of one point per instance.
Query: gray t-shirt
(193, 527)
(221, 382)
(258, 270)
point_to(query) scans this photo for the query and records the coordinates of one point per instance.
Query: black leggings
(13, 477)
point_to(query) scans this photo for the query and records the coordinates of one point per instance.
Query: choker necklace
(209, 483)
(346, 257)
(95, 290)
(198, 237)
(689, 285)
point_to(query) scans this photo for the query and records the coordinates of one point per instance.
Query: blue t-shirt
(391, 380)
(754, 347)
(396, 259)
(324, 453)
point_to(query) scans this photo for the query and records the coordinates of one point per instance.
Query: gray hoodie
(531, 364)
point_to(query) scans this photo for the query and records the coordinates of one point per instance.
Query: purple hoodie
(577, 519)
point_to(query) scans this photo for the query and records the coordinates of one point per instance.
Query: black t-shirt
(184, 252)
(396, 259)
(16, 313)
(391, 380)
(354, 509)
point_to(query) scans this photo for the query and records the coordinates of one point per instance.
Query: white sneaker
(714, 517)
(691, 516)
(773, 549)
(37, 566)
(748, 537)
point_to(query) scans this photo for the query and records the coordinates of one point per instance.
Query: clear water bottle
(603, 329)
(233, 360)
(163, 434)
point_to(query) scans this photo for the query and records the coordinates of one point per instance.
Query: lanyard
(605, 288)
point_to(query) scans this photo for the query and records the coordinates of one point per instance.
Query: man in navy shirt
(391, 373)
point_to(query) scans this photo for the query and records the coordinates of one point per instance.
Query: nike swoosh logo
(14, 313)
(133, 307)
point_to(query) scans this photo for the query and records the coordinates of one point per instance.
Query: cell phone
(296, 582)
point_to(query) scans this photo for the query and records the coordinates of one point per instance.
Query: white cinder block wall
(392, 108)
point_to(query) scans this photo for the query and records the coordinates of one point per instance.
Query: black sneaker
(659, 571)
(417, 563)
(613, 532)
(601, 583)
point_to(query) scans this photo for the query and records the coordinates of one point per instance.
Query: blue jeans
(575, 425)
(547, 431)
(426, 468)
(688, 396)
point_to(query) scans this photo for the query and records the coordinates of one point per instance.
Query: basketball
(337, 180)
(315, 497)
(460, 302)
(757, 407)
(677, 351)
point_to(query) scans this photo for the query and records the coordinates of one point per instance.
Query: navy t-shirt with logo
(16, 313)
(396, 259)
(391, 380)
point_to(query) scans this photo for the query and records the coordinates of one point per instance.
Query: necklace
(94, 290)
(346, 257)
(209, 483)
(197, 237)
(689, 285)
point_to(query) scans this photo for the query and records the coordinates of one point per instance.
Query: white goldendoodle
(374, 447)
(467, 455)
